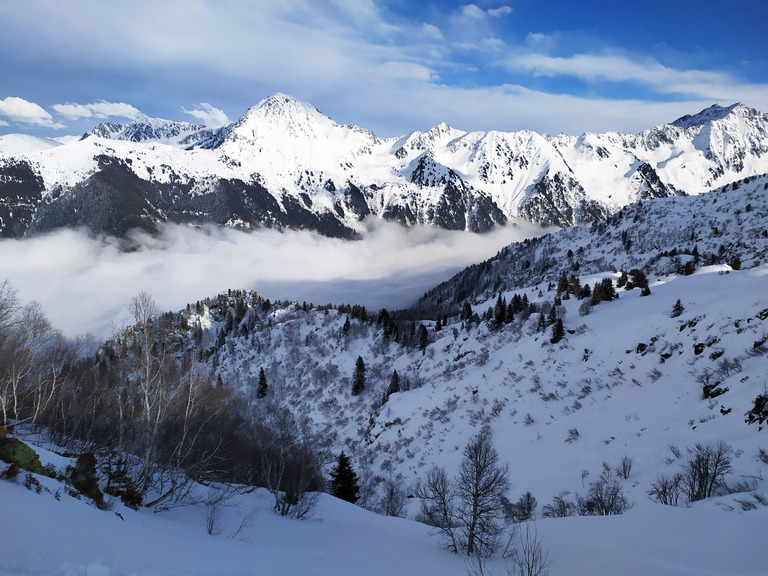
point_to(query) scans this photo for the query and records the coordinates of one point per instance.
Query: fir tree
(261, 389)
(466, 312)
(423, 337)
(344, 480)
(500, 312)
(557, 332)
(677, 309)
(394, 384)
(358, 379)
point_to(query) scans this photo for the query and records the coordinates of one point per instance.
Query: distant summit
(146, 129)
(711, 114)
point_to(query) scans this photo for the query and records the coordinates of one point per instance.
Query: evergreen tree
(261, 389)
(466, 312)
(551, 316)
(677, 309)
(358, 379)
(557, 332)
(423, 337)
(394, 384)
(500, 312)
(344, 480)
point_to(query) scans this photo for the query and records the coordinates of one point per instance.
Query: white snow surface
(44, 535)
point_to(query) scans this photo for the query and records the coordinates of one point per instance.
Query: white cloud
(3, 123)
(391, 268)
(208, 115)
(22, 111)
(538, 38)
(647, 72)
(432, 31)
(407, 71)
(72, 111)
(495, 44)
(477, 13)
(472, 11)
(101, 110)
(114, 109)
(502, 11)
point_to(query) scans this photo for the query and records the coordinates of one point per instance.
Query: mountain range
(284, 164)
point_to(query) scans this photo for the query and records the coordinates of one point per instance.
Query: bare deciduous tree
(438, 506)
(528, 556)
(705, 469)
(480, 487)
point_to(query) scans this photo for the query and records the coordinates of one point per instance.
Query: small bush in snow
(666, 489)
(625, 467)
(560, 507)
(520, 511)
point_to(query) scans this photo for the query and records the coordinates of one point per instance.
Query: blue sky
(392, 66)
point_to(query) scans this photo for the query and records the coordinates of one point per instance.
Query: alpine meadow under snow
(588, 401)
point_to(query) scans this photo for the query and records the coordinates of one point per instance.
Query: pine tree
(261, 390)
(500, 312)
(677, 309)
(557, 332)
(423, 337)
(466, 312)
(358, 379)
(344, 480)
(394, 384)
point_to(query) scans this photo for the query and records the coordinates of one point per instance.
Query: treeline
(149, 410)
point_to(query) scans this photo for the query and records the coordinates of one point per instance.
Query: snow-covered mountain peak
(11, 144)
(284, 115)
(711, 114)
(146, 129)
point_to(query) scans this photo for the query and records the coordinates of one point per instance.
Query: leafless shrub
(213, 509)
(605, 497)
(573, 435)
(560, 507)
(246, 521)
(666, 489)
(705, 470)
(625, 467)
(529, 558)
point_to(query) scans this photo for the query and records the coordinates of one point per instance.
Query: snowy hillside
(284, 164)
(61, 535)
(598, 358)
(625, 380)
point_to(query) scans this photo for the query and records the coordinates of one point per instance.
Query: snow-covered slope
(61, 535)
(626, 380)
(307, 163)
(19, 144)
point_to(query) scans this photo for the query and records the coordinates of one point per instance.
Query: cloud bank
(27, 113)
(85, 284)
(208, 115)
(100, 110)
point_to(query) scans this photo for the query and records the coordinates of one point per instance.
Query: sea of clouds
(84, 283)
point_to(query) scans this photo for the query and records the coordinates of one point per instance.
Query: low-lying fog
(84, 284)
